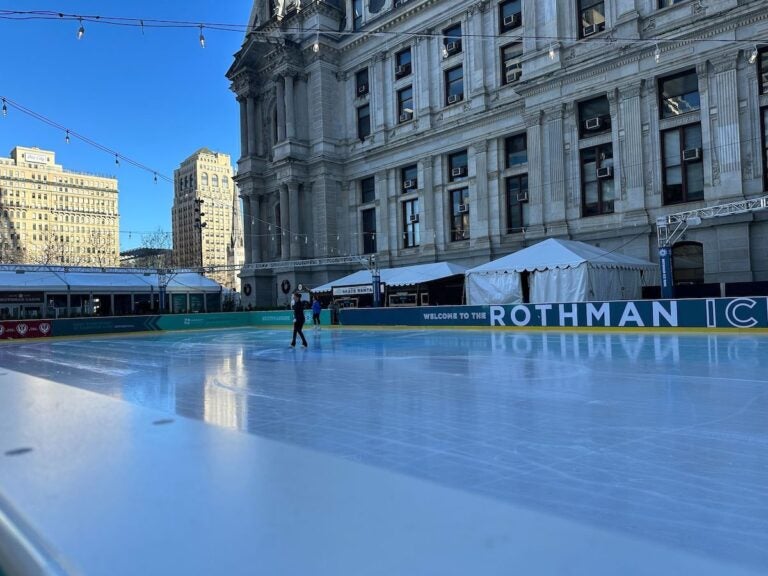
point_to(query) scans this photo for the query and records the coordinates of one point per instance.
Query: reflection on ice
(662, 436)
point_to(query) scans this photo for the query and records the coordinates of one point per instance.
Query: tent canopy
(554, 253)
(559, 271)
(403, 276)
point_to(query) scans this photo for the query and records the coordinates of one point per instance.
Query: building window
(511, 67)
(679, 94)
(683, 169)
(764, 118)
(403, 63)
(457, 166)
(204, 179)
(688, 263)
(665, 3)
(408, 178)
(452, 40)
(459, 214)
(357, 8)
(510, 15)
(454, 85)
(405, 104)
(368, 221)
(363, 121)
(517, 200)
(594, 117)
(411, 223)
(367, 190)
(361, 82)
(597, 184)
(591, 16)
(215, 181)
(762, 70)
(516, 150)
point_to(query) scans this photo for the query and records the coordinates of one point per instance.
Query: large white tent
(560, 271)
(403, 276)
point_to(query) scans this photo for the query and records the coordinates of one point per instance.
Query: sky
(154, 96)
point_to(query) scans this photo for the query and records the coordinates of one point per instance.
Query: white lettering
(497, 316)
(542, 308)
(595, 313)
(732, 315)
(526, 315)
(669, 315)
(572, 315)
(631, 314)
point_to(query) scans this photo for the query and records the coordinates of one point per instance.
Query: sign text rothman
(662, 314)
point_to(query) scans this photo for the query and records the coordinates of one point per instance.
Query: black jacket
(298, 311)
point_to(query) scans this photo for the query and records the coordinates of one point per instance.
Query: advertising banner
(10, 330)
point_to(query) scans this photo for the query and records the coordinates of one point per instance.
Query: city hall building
(461, 131)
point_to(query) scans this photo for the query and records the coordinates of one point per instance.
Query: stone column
(422, 70)
(535, 175)
(244, 152)
(247, 227)
(474, 45)
(378, 98)
(251, 108)
(430, 215)
(295, 215)
(280, 107)
(285, 227)
(725, 148)
(630, 160)
(290, 110)
(554, 208)
(382, 227)
(257, 228)
(479, 211)
(260, 135)
(350, 16)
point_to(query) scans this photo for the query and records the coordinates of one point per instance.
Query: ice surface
(662, 437)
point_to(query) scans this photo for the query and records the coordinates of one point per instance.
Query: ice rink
(658, 437)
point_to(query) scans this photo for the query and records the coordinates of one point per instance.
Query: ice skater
(298, 320)
(316, 308)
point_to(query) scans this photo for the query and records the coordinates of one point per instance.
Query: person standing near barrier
(298, 320)
(316, 308)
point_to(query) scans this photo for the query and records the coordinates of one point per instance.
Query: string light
(81, 30)
(551, 51)
(5, 108)
(657, 54)
(66, 138)
(316, 45)
(202, 37)
(117, 159)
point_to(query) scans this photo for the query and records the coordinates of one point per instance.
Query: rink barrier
(24, 329)
(710, 313)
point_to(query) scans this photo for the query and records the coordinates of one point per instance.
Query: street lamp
(199, 225)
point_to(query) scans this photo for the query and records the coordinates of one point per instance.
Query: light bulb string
(269, 29)
(69, 133)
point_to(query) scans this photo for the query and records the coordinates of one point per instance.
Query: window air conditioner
(691, 154)
(522, 196)
(605, 172)
(362, 89)
(459, 171)
(593, 123)
(453, 47)
(453, 98)
(512, 20)
(513, 73)
(402, 70)
(413, 218)
(409, 184)
(463, 208)
(405, 116)
(589, 30)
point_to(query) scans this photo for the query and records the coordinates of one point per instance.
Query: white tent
(560, 271)
(403, 276)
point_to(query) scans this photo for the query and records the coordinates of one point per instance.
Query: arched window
(215, 181)
(204, 179)
(688, 262)
(224, 182)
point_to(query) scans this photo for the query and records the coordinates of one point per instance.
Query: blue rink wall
(711, 313)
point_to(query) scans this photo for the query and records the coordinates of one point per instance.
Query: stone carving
(715, 170)
(282, 6)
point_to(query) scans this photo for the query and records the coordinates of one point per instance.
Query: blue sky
(154, 97)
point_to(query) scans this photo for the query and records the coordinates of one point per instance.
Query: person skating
(316, 308)
(298, 320)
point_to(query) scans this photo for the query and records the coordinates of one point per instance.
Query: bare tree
(158, 249)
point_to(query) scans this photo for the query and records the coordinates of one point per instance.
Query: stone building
(206, 217)
(429, 130)
(49, 215)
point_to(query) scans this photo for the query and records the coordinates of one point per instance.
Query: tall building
(207, 221)
(459, 130)
(49, 215)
